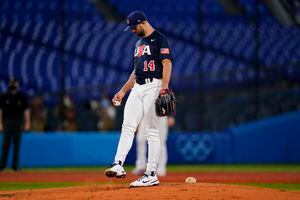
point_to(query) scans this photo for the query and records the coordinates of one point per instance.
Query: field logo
(195, 147)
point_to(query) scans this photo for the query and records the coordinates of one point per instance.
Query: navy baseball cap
(134, 19)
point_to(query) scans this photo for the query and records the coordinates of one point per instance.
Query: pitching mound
(164, 191)
(96, 186)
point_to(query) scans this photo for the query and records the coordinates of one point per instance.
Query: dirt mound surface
(172, 186)
(204, 191)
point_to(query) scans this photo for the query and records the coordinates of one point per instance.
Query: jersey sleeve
(164, 49)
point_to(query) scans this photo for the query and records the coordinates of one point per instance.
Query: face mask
(67, 102)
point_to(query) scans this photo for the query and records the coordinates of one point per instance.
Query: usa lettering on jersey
(142, 50)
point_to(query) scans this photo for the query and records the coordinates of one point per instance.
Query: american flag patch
(164, 51)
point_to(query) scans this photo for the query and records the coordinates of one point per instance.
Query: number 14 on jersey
(149, 65)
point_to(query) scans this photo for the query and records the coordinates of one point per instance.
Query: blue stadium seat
(99, 52)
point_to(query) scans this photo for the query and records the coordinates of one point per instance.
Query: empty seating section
(45, 7)
(98, 52)
(173, 10)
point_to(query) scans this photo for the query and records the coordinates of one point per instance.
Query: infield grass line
(46, 185)
(35, 185)
(280, 186)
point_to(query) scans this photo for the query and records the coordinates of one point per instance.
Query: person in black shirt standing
(13, 109)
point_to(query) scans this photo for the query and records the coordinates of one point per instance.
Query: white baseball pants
(141, 147)
(140, 106)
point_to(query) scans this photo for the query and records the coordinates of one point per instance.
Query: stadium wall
(274, 140)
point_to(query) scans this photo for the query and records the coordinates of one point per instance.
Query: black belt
(144, 81)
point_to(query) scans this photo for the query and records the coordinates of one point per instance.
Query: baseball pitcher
(152, 66)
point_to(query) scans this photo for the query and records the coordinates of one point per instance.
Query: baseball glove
(165, 103)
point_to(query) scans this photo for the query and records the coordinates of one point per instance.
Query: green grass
(281, 186)
(28, 186)
(192, 168)
(171, 168)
